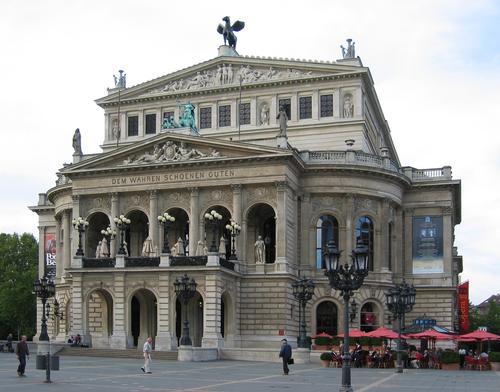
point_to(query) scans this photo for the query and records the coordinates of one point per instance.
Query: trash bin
(41, 362)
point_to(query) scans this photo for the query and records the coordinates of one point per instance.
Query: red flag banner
(463, 307)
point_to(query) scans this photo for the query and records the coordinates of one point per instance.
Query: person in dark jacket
(22, 353)
(285, 355)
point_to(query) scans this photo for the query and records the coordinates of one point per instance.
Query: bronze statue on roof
(227, 31)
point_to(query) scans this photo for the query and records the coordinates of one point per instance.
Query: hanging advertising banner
(428, 245)
(50, 255)
(463, 307)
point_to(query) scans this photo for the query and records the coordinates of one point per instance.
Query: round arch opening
(97, 221)
(370, 317)
(178, 230)
(137, 232)
(221, 236)
(143, 317)
(327, 318)
(194, 313)
(261, 221)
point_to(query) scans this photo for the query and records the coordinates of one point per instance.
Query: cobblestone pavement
(120, 375)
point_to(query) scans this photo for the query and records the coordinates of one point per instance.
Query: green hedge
(450, 357)
(323, 341)
(494, 356)
(326, 356)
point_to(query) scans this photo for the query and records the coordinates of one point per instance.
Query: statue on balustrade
(260, 250)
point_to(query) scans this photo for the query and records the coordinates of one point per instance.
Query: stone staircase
(110, 353)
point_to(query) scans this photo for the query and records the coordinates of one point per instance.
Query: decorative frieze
(325, 202)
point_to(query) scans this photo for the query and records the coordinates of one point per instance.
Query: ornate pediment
(171, 148)
(229, 74)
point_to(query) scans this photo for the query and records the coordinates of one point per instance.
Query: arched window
(327, 228)
(326, 318)
(369, 317)
(364, 231)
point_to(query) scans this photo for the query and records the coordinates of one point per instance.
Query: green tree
(18, 271)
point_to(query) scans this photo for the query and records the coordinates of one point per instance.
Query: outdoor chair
(483, 364)
(470, 363)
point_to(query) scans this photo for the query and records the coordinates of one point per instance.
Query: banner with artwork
(50, 255)
(428, 245)
(463, 307)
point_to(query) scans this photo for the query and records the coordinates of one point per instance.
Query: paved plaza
(117, 375)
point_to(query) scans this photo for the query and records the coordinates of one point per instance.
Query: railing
(370, 160)
(88, 262)
(142, 261)
(182, 261)
(226, 264)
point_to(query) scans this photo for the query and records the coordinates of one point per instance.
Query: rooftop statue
(348, 53)
(227, 31)
(121, 81)
(77, 142)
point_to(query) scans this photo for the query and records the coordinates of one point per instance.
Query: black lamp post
(303, 290)
(212, 220)
(80, 224)
(185, 289)
(234, 230)
(122, 224)
(109, 233)
(346, 278)
(400, 300)
(45, 289)
(166, 220)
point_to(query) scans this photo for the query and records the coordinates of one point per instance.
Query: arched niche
(195, 307)
(137, 232)
(143, 320)
(261, 221)
(97, 221)
(178, 229)
(327, 318)
(99, 317)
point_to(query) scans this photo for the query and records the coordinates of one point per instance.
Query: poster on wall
(428, 245)
(463, 307)
(50, 255)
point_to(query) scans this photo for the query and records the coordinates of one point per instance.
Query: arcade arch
(261, 221)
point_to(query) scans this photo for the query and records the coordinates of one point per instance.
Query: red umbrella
(322, 335)
(431, 334)
(479, 336)
(384, 333)
(354, 333)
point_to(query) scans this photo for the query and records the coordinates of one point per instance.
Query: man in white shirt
(146, 350)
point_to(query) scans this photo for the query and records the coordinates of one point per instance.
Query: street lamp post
(303, 290)
(185, 289)
(80, 224)
(166, 220)
(346, 278)
(122, 223)
(109, 233)
(400, 300)
(234, 230)
(212, 220)
(45, 289)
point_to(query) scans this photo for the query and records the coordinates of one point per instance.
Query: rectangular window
(150, 124)
(225, 116)
(167, 115)
(305, 107)
(287, 104)
(132, 125)
(326, 105)
(244, 113)
(205, 118)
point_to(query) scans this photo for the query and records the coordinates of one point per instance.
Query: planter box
(322, 348)
(450, 366)
(495, 366)
(325, 363)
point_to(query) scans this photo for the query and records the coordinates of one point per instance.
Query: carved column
(194, 221)
(119, 338)
(59, 252)
(281, 239)
(115, 206)
(347, 246)
(237, 213)
(153, 221)
(66, 225)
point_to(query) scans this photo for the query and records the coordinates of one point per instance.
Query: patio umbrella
(479, 336)
(322, 335)
(354, 333)
(431, 334)
(385, 333)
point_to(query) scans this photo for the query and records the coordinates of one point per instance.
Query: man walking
(22, 353)
(285, 355)
(146, 350)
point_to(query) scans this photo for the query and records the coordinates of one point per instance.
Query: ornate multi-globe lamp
(234, 230)
(303, 290)
(80, 224)
(213, 220)
(185, 288)
(166, 220)
(122, 223)
(109, 234)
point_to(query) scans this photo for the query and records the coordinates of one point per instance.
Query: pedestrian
(22, 352)
(9, 343)
(285, 355)
(146, 350)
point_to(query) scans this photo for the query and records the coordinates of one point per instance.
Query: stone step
(110, 353)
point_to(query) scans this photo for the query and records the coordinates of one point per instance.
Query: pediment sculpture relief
(171, 151)
(225, 74)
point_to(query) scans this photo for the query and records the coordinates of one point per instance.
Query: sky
(435, 63)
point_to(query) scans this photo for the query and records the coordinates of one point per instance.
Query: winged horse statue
(227, 31)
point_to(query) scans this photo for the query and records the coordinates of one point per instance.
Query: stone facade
(334, 175)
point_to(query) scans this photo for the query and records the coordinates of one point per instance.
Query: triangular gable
(169, 148)
(226, 72)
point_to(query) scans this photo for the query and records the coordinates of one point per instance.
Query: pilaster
(153, 222)
(281, 239)
(59, 252)
(66, 223)
(194, 221)
(76, 214)
(119, 338)
(165, 337)
(211, 333)
(237, 214)
(115, 206)
(348, 231)
(407, 267)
